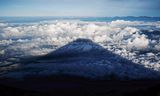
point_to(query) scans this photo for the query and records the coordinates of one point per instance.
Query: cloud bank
(133, 40)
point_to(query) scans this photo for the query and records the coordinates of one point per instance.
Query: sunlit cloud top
(79, 8)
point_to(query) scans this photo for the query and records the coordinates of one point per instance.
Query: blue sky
(79, 7)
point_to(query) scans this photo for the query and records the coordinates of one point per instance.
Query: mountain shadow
(81, 68)
(92, 60)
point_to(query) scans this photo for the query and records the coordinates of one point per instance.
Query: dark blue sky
(79, 7)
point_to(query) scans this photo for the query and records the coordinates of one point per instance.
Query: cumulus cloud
(123, 23)
(139, 43)
(121, 37)
(3, 24)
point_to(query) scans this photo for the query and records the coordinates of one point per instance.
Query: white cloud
(119, 36)
(3, 24)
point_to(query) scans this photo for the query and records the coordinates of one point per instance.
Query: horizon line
(84, 16)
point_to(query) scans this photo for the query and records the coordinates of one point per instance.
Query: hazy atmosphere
(79, 8)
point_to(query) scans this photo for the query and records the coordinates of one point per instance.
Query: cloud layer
(133, 40)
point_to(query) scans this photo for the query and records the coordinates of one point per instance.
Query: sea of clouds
(137, 41)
